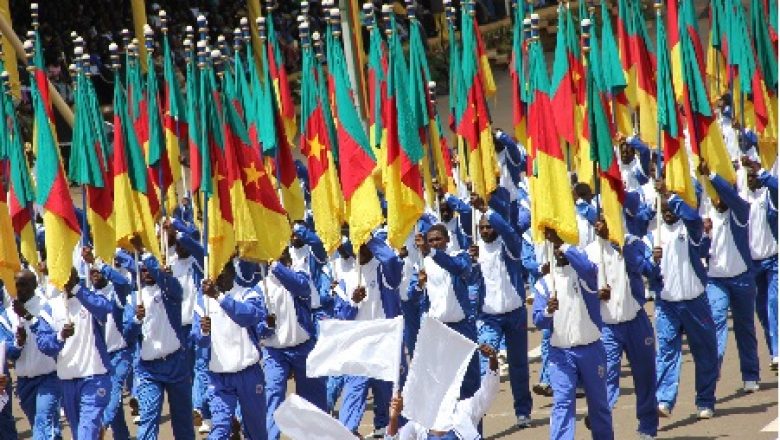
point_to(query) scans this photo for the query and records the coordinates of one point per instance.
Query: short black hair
(441, 229)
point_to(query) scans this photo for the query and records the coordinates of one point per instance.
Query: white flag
(358, 348)
(298, 419)
(432, 387)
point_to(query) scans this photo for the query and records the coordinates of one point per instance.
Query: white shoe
(773, 364)
(378, 433)
(705, 413)
(205, 427)
(137, 420)
(643, 436)
(751, 386)
(664, 410)
(523, 422)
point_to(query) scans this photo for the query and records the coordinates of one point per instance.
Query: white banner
(433, 385)
(358, 348)
(299, 419)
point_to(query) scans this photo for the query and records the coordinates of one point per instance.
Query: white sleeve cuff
(565, 247)
(712, 175)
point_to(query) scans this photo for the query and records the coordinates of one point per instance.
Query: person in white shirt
(288, 336)
(70, 329)
(116, 287)
(225, 323)
(566, 301)
(762, 234)
(37, 384)
(467, 413)
(162, 364)
(730, 281)
(626, 325)
(681, 307)
(366, 292)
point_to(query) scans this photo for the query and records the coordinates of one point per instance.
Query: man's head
(438, 237)
(486, 231)
(752, 180)
(446, 212)
(582, 191)
(560, 258)
(97, 278)
(601, 228)
(668, 215)
(226, 278)
(185, 201)
(626, 153)
(146, 277)
(26, 283)
(364, 254)
(181, 251)
(296, 240)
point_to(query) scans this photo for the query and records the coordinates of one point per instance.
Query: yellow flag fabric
(9, 54)
(9, 258)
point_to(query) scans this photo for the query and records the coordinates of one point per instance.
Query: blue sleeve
(644, 157)
(392, 266)
(631, 203)
(247, 313)
(412, 291)
(528, 258)
(315, 243)
(46, 338)
(201, 340)
(12, 352)
(464, 211)
(128, 313)
(689, 216)
(523, 219)
(194, 247)
(739, 206)
(296, 283)
(458, 265)
(183, 227)
(168, 283)
(500, 201)
(585, 268)
(770, 182)
(541, 321)
(98, 305)
(344, 310)
(508, 235)
(590, 214)
(121, 283)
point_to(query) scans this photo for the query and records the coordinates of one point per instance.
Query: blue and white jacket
(729, 248)
(683, 245)
(447, 289)
(288, 297)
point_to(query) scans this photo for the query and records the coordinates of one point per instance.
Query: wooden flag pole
(56, 98)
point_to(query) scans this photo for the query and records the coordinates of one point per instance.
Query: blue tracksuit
(235, 383)
(388, 277)
(121, 358)
(576, 359)
(736, 292)
(691, 316)
(637, 214)
(508, 322)
(162, 373)
(459, 268)
(635, 337)
(84, 394)
(464, 230)
(7, 422)
(766, 271)
(279, 362)
(317, 259)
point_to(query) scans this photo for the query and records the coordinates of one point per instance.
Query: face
(225, 280)
(560, 258)
(26, 283)
(296, 241)
(146, 278)
(446, 212)
(181, 251)
(437, 240)
(669, 217)
(486, 231)
(626, 154)
(752, 181)
(601, 229)
(97, 278)
(364, 254)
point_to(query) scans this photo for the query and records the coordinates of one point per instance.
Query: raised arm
(586, 269)
(739, 206)
(458, 265)
(392, 266)
(169, 285)
(689, 216)
(313, 240)
(49, 342)
(121, 283)
(98, 305)
(296, 283)
(246, 313)
(507, 233)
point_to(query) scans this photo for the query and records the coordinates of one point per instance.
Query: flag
(432, 386)
(716, 66)
(675, 48)
(517, 74)
(192, 113)
(639, 65)
(88, 167)
(298, 419)
(326, 196)
(764, 82)
(403, 183)
(21, 192)
(600, 132)
(59, 216)
(704, 131)
(377, 86)
(216, 183)
(474, 119)
(9, 257)
(356, 158)
(614, 81)
(676, 164)
(358, 348)
(278, 73)
(551, 203)
(485, 72)
(132, 214)
(564, 75)
(174, 124)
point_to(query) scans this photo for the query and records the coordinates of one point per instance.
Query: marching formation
(202, 264)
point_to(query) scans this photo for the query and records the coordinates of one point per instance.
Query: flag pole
(658, 176)
(202, 53)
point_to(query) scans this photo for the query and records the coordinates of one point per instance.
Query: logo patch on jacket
(259, 388)
(101, 392)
